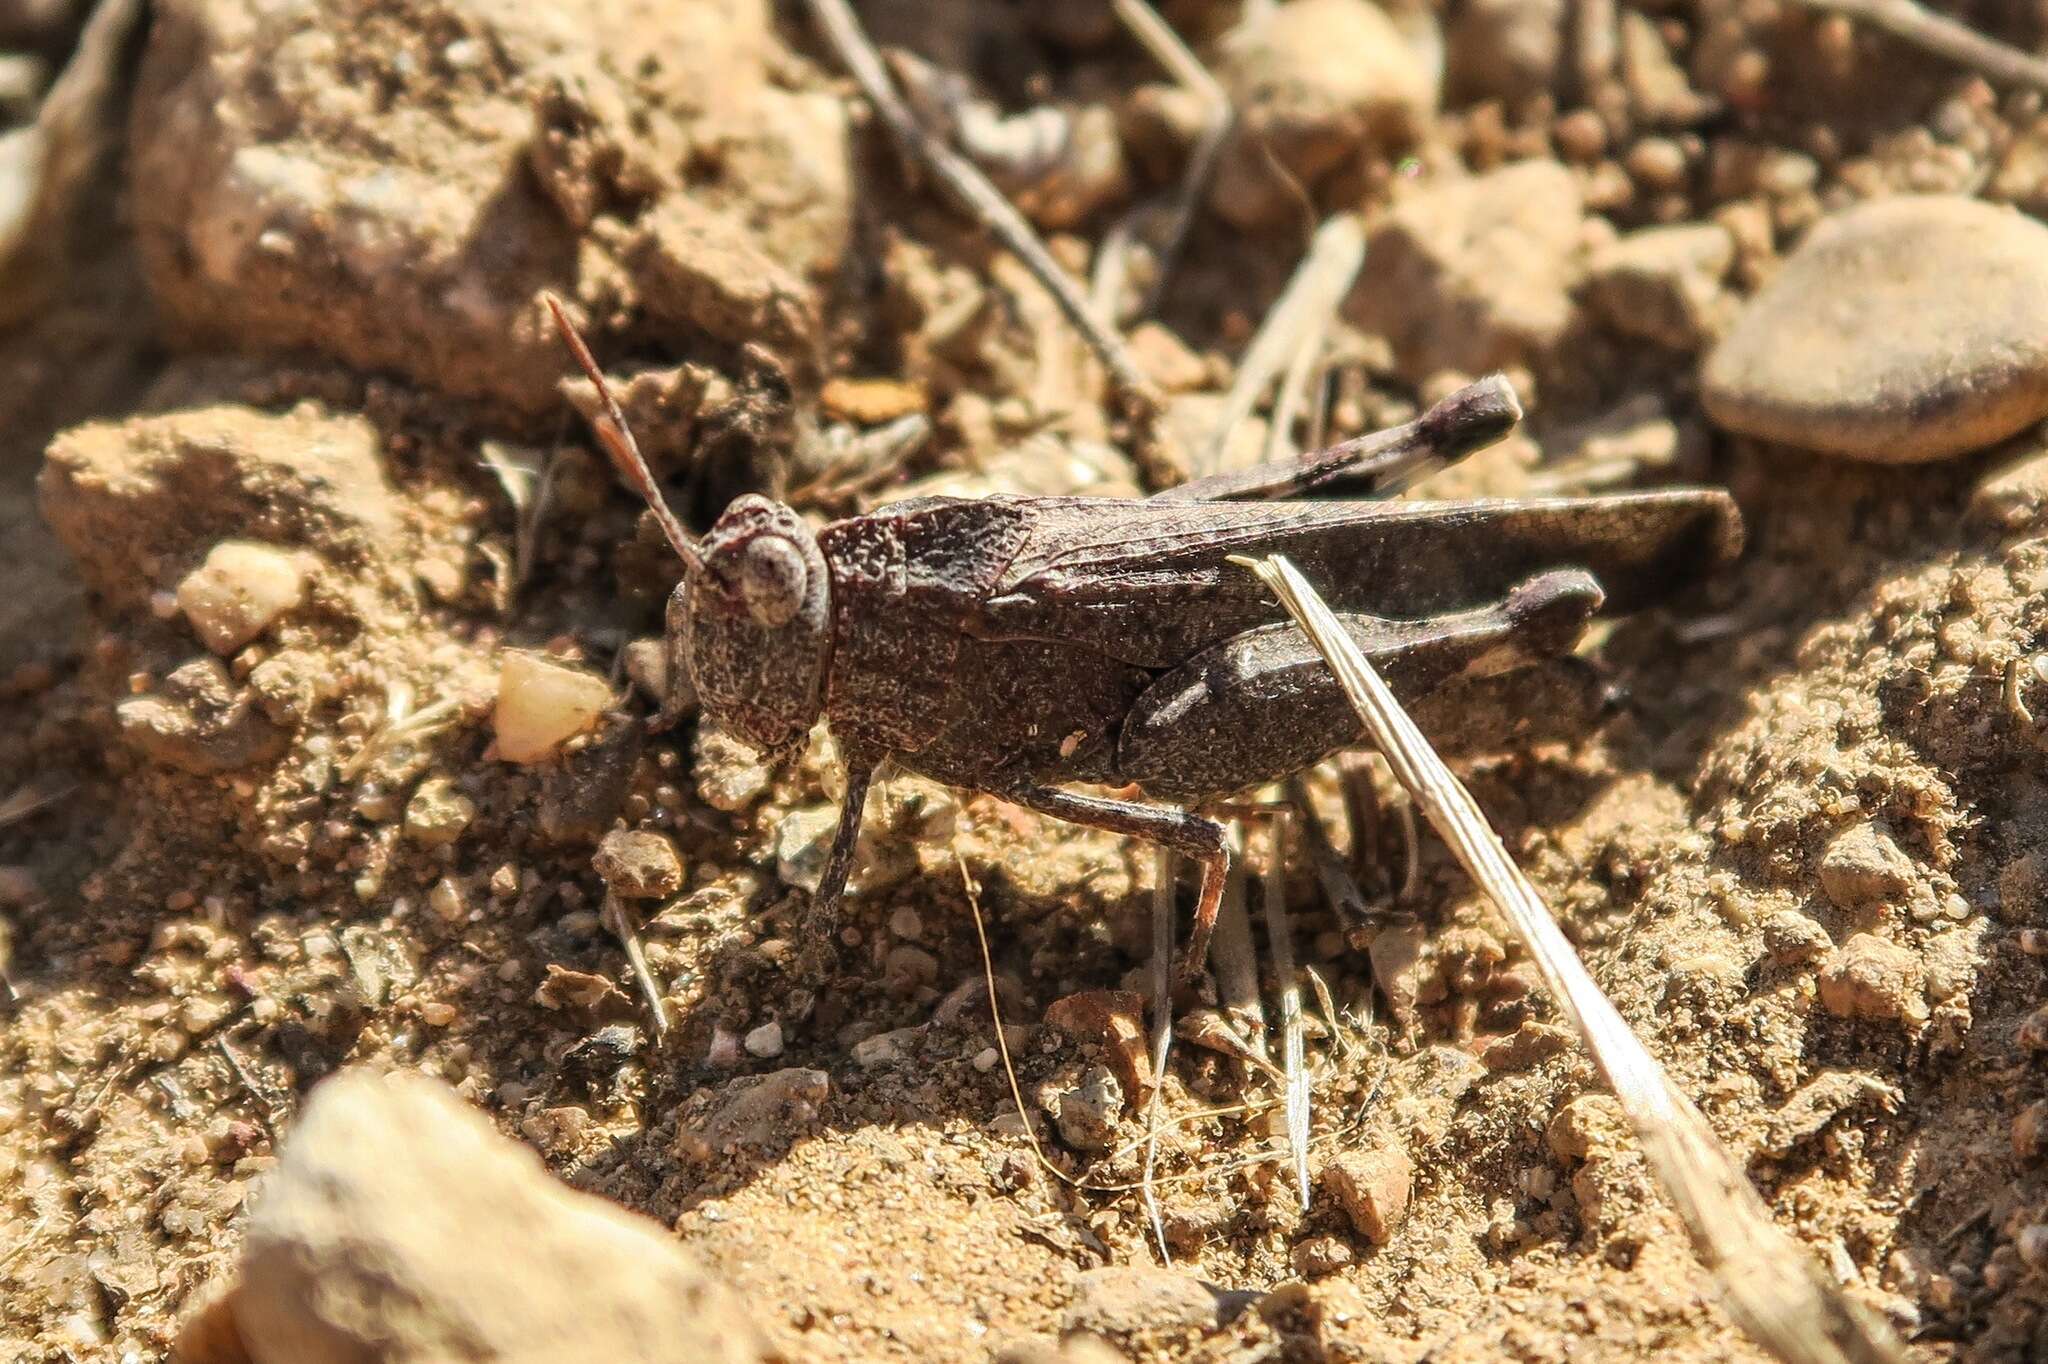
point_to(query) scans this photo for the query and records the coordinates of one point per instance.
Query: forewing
(1151, 583)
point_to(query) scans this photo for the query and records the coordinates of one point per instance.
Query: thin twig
(622, 924)
(1232, 955)
(1944, 37)
(1164, 872)
(975, 193)
(1293, 391)
(1319, 284)
(1771, 1284)
(1159, 39)
(1280, 939)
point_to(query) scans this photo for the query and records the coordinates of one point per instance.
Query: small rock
(730, 775)
(1793, 939)
(803, 842)
(1087, 1114)
(1125, 1302)
(1114, 1022)
(239, 591)
(755, 1112)
(1871, 977)
(908, 969)
(199, 722)
(1863, 867)
(1320, 1255)
(2030, 1133)
(1590, 1127)
(1316, 84)
(765, 1041)
(1663, 284)
(1405, 969)
(541, 704)
(1908, 329)
(638, 865)
(1372, 1187)
(563, 988)
(1475, 275)
(437, 813)
(400, 1227)
(884, 1049)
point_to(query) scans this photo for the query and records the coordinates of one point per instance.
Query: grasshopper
(1022, 645)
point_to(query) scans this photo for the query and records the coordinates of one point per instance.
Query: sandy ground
(1801, 853)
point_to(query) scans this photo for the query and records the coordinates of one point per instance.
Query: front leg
(822, 929)
(1189, 834)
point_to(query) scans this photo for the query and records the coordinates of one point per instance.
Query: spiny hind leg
(1188, 834)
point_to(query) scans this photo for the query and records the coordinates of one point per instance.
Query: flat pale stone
(1909, 329)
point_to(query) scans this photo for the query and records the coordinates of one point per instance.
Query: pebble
(884, 1048)
(1793, 939)
(1864, 867)
(2030, 1133)
(541, 704)
(239, 592)
(1315, 84)
(638, 865)
(766, 1040)
(1872, 977)
(400, 1226)
(1903, 330)
(755, 1111)
(1123, 1302)
(730, 775)
(1663, 284)
(1087, 1114)
(1372, 1187)
(437, 813)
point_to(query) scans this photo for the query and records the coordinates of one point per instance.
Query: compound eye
(772, 579)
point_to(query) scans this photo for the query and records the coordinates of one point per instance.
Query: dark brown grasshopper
(1015, 645)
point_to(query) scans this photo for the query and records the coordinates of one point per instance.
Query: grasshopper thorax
(754, 624)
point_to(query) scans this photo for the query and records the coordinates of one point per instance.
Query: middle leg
(1188, 834)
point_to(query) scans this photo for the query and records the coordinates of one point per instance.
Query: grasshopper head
(755, 623)
(751, 619)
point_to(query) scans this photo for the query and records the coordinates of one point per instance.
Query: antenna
(617, 438)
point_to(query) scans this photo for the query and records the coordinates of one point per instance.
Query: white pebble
(766, 1040)
(541, 704)
(236, 594)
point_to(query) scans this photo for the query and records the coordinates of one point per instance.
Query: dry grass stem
(1771, 1285)
(978, 196)
(1280, 933)
(1233, 957)
(1997, 62)
(1302, 311)
(1165, 46)
(621, 923)
(1163, 871)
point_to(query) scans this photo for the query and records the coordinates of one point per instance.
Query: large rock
(400, 1227)
(141, 502)
(392, 184)
(1912, 328)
